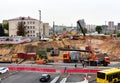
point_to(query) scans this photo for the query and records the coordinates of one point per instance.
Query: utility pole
(39, 24)
(53, 28)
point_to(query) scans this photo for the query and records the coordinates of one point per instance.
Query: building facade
(118, 26)
(33, 27)
(111, 25)
(90, 28)
(46, 29)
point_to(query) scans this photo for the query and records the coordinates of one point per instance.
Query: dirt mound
(112, 48)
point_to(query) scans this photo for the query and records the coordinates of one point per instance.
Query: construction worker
(75, 65)
(65, 69)
(83, 64)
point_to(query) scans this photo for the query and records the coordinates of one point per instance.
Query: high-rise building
(111, 25)
(90, 28)
(83, 24)
(118, 26)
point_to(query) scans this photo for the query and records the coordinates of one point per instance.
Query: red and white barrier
(79, 70)
(32, 69)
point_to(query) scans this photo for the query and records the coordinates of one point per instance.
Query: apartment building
(34, 28)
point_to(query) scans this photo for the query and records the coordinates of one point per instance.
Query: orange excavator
(93, 60)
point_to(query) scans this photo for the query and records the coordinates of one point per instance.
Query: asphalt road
(25, 77)
(33, 77)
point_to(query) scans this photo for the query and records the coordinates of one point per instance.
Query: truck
(72, 56)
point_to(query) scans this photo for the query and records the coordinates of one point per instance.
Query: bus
(109, 76)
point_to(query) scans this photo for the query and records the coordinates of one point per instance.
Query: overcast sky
(63, 12)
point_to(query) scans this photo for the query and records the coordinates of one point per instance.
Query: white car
(3, 70)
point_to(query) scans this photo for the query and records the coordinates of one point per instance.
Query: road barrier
(53, 70)
(32, 69)
(79, 70)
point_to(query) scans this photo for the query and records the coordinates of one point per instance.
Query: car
(3, 70)
(45, 78)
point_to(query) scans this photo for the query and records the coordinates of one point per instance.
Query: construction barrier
(54, 70)
(32, 69)
(79, 70)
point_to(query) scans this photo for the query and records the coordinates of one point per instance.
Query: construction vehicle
(74, 34)
(41, 57)
(93, 60)
(71, 54)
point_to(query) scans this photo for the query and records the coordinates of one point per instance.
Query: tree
(118, 34)
(85, 30)
(1, 30)
(5, 26)
(99, 29)
(64, 29)
(21, 29)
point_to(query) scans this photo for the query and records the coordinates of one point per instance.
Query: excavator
(93, 60)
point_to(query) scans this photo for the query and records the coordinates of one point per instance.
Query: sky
(63, 12)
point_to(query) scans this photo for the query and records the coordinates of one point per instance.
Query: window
(100, 75)
(109, 78)
(33, 27)
(115, 75)
(33, 31)
(33, 22)
(28, 27)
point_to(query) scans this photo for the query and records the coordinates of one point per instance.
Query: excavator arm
(93, 57)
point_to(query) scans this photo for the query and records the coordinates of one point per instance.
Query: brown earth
(102, 44)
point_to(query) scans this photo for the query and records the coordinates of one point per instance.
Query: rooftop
(22, 18)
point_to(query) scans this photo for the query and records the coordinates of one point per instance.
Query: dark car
(45, 78)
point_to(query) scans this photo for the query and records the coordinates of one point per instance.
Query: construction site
(62, 57)
(67, 47)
